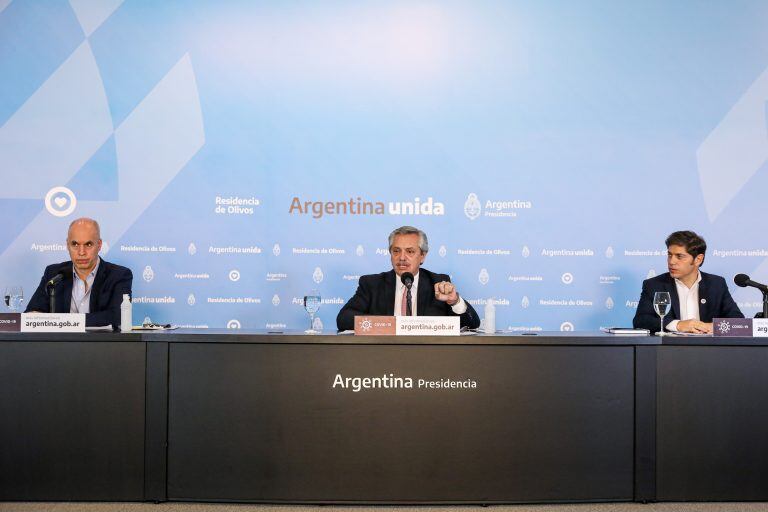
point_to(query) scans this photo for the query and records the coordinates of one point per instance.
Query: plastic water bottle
(126, 314)
(489, 322)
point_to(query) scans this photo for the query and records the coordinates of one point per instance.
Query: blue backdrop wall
(240, 153)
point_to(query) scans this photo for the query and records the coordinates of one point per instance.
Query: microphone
(743, 280)
(407, 279)
(55, 279)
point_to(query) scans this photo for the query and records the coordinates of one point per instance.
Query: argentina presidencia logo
(472, 206)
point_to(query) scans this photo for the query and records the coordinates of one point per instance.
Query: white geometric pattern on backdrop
(57, 129)
(738, 144)
(92, 13)
(153, 144)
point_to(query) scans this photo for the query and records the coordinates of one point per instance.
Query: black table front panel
(712, 422)
(264, 422)
(72, 420)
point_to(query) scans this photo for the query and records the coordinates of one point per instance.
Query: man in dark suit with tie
(85, 284)
(696, 297)
(430, 294)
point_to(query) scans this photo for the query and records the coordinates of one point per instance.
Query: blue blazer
(375, 295)
(111, 282)
(715, 301)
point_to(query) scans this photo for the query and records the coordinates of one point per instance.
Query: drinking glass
(312, 304)
(661, 303)
(14, 298)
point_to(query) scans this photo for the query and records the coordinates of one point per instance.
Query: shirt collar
(92, 275)
(695, 283)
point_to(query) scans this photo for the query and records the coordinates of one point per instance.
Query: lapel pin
(703, 301)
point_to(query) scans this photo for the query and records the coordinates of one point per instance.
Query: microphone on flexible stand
(51, 286)
(743, 280)
(407, 279)
(55, 279)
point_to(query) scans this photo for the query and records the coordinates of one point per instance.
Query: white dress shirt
(689, 302)
(459, 308)
(81, 290)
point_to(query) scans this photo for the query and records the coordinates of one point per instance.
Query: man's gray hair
(86, 220)
(410, 230)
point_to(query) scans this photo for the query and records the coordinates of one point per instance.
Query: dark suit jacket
(111, 282)
(715, 301)
(375, 295)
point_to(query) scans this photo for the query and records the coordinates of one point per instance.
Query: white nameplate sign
(427, 325)
(760, 327)
(53, 322)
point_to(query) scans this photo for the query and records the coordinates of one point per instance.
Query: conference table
(223, 415)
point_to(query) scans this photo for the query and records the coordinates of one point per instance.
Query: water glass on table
(14, 298)
(661, 303)
(311, 305)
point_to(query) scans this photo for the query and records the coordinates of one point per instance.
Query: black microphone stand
(51, 298)
(764, 314)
